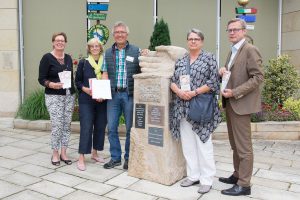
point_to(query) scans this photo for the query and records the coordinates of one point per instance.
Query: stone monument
(154, 154)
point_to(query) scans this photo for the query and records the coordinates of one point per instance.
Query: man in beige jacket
(240, 98)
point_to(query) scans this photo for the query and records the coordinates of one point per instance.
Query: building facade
(41, 18)
(9, 58)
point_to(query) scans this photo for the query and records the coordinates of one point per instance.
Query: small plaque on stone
(140, 115)
(155, 136)
(156, 115)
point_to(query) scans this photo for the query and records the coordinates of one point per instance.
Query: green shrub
(281, 81)
(160, 35)
(293, 106)
(34, 107)
(122, 119)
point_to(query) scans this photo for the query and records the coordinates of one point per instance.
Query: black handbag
(201, 106)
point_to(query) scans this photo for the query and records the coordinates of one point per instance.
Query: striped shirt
(121, 74)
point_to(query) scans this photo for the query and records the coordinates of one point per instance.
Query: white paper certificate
(225, 79)
(185, 82)
(65, 78)
(101, 89)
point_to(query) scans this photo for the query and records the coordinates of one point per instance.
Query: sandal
(81, 167)
(68, 162)
(55, 163)
(98, 159)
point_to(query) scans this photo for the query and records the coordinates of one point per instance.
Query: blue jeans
(93, 120)
(120, 103)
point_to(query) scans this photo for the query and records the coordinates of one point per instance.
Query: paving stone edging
(263, 130)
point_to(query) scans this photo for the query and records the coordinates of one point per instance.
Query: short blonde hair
(93, 41)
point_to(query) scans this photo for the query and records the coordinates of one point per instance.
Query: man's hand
(227, 93)
(222, 70)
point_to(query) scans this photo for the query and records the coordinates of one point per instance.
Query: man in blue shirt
(121, 63)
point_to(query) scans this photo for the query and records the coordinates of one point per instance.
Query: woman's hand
(87, 90)
(185, 95)
(100, 100)
(56, 86)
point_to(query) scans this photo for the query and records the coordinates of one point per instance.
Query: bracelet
(196, 93)
(47, 83)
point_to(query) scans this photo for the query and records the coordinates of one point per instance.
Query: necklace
(61, 59)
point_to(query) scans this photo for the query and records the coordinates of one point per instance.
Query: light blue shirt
(234, 50)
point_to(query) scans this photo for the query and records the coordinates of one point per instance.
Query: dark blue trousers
(93, 120)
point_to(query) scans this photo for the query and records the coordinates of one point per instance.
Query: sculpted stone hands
(161, 61)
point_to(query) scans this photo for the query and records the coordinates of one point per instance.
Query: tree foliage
(160, 35)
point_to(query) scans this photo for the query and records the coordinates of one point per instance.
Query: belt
(117, 89)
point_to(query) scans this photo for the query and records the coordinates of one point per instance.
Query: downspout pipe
(154, 12)
(21, 50)
(279, 27)
(218, 20)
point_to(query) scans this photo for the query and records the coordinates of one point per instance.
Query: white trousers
(199, 156)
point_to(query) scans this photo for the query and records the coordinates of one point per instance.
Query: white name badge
(185, 82)
(129, 58)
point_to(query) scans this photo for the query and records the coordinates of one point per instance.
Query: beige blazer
(245, 80)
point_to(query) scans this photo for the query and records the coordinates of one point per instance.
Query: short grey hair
(197, 31)
(120, 23)
(242, 22)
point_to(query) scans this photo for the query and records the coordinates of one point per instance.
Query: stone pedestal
(154, 154)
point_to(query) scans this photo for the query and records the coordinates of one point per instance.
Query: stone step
(262, 130)
(7, 122)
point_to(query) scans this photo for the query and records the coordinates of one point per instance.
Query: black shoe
(231, 180)
(125, 166)
(237, 190)
(68, 162)
(55, 163)
(111, 164)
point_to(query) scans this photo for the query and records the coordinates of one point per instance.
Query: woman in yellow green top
(92, 112)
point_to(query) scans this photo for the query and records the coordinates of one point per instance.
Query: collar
(114, 46)
(237, 46)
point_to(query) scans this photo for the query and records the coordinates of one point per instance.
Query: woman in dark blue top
(92, 112)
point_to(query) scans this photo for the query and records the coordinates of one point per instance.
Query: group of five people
(119, 63)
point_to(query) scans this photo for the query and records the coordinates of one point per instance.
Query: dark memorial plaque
(156, 136)
(140, 115)
(156, 115)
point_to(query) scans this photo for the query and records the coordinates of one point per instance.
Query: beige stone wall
(9, 58)
(291, 30)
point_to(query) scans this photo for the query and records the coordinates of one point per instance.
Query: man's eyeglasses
(234, 30)
(194, 39)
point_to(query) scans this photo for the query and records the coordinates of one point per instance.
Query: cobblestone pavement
(26, 173)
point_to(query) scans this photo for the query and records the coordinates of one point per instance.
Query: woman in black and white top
(195, 136)
(59, 101)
